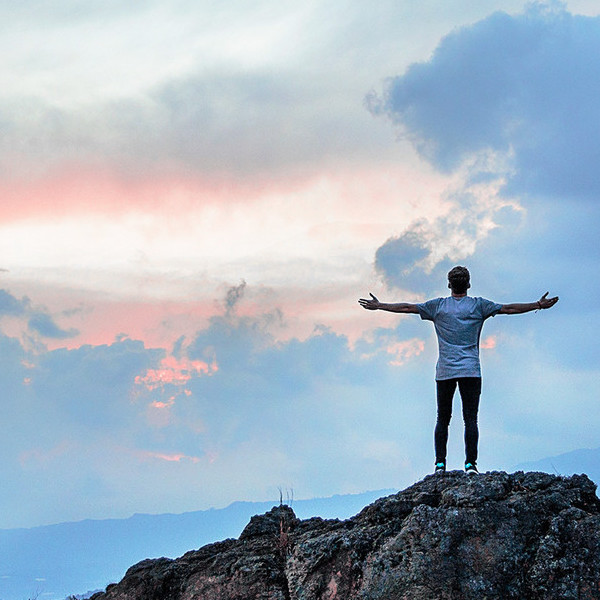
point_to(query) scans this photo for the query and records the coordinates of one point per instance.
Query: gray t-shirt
(458, 323)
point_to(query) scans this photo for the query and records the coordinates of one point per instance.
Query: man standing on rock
(458, 320)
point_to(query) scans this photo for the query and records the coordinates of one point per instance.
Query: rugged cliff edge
(492, 536)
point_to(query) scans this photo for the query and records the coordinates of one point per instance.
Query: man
(458, 320)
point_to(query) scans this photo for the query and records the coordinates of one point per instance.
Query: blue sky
(194, 197)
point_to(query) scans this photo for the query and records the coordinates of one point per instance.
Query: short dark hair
(459, 279)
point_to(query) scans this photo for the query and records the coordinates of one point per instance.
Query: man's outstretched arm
(516, 309)
(400, 307)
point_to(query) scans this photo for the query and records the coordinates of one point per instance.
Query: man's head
(459, 280)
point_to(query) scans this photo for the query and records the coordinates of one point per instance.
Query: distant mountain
(575, 462)
(53, 561)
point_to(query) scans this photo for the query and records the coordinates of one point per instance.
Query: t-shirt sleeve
(428, 309)
(489, 308)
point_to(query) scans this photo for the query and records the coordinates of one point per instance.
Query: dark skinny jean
(470, 390)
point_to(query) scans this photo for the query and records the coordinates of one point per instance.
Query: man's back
(458, 322)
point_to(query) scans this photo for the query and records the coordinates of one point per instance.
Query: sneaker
(440, 467)
(471, 468)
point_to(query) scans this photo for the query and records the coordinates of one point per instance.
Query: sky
(194, 195)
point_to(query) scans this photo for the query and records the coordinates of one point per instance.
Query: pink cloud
(347, 222)
(405, 350)
(157, 323)
(175, 371)
(177, 457)
(170, 402)
(489, 343)
(81, 190)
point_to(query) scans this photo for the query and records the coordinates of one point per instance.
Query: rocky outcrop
(492, 536)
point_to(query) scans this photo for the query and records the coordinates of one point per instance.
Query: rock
(492, 536)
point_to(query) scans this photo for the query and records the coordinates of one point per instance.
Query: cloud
(236, 413)
(420, 257)
(10, 305)
(227, 124)
(44, 325)
(234, 405)
(91, 386)
(219, 92)
(38, 319)
(174, 372)
(402, 262)
(233, 297)
(522, 87)
(69, 416)
(233, 411)
(507, 106)
(399, 256)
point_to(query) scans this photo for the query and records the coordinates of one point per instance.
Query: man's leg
(470, 391)
(445, 393)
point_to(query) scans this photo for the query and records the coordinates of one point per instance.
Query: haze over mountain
(56, 560)
(583, 460)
